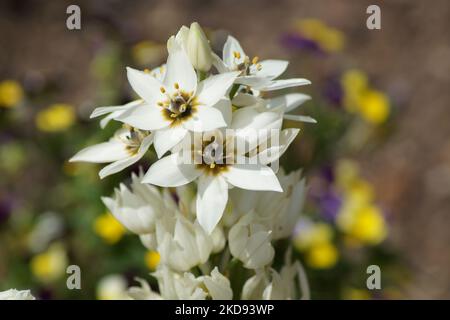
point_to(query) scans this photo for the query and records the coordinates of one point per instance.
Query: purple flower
(295, 41)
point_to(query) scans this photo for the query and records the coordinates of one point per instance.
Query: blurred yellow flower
(112, 287)
(108, 228)
(355, 294)
(152, 259)
(148, 52)
(374, 106)
(315, 240)
(51, 264)
(328, 38)
(11, 93)
(57, 117)
(322, 255)
(315, 234)
(369, 225)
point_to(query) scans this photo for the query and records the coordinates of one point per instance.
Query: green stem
(234, 90)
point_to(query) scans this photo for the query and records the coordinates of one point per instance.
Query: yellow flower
(374, 106)
(147, 52)
(57, 117)
(315, 234)
(152, 259)
(369, 225)
(329, 39)
(49, 265)
(11, 93)
(322, 255)
(108, 228)
(354, 83)
(355, 294)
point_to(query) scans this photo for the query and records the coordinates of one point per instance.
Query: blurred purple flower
(330, 204)
(295, 41)
(332, 91)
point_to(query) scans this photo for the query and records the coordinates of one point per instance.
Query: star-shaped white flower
(215, 178)
(126, 147)
(259, 75)
(178, 104)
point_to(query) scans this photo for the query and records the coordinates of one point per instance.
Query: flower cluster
(217, 139)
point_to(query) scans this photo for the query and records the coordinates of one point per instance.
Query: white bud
(198, 48)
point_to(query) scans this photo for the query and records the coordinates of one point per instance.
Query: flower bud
(198, 48)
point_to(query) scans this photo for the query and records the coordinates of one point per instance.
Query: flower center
(244, 66)
(178, 106)
(132, 138)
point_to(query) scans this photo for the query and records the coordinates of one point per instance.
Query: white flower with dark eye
(14, 294)
(126, 147)
(178, 104)
(217, 174)
(113, 112)
(259, 75)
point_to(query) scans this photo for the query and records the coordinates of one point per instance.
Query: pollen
(237, 54)
(255, 59)
(176, 85)
(162, 90)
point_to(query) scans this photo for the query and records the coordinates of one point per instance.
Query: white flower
(112, 287)
(144, 292)
(14, 294)
(198, 48)
(250, 242)
(125, 148)
(258, 75)
(279, 212)
(174, 286)
(215, 178)
(218, 286)
(285, 103)
(138, 209)
(115, 111)
(268, 284)
(178, 104)
(181, 243)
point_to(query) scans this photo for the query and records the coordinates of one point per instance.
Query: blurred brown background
(409, 56)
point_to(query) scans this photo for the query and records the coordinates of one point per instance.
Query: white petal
(146, 86)
(286, 83)
(205, 119)
(219, 64)
(218, 286)
(231, 46)
(253, 81)
(124, 163)
(100, 111)
(180, 70)
(245, 100)
(166, 139)
(290, 101)
(224, 106)
(270, 68)
(212, 89)
(252, 177)
(212, 198)
(145, 117)
(274, 152)
(299, 118)
(110, 151)
(170, 171)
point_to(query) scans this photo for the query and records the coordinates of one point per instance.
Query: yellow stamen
(146, 70)
(176, 85)
(255, 60)
(237, 54)
(162, 90)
